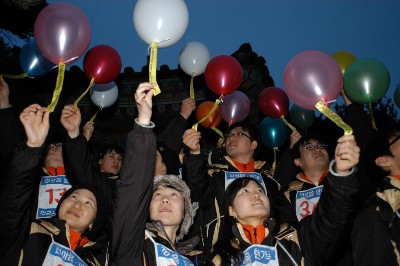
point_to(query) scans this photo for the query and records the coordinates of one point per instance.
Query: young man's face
(111, 162)
(313, 156)
(238, 143)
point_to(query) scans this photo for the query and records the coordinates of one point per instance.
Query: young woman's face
(79, 210)
(168, 206)
(251, 206)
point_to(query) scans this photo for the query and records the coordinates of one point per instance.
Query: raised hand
(144, 102)
(4, 93)
(88, 129)
(191, 138)
(294, 137)
(347, 154)
(35, 120)
(187, 107)
(71, 120)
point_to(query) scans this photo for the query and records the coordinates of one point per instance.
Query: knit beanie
(176, 182)
(101, 215)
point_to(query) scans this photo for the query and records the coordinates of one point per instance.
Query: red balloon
(103, 63)
(62, 33)
(202, 111)
(223, 74)
(274, 102)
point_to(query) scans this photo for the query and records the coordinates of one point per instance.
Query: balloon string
(84, 93)
(217, 102)
(58, 88)
(372, 116)
(334, 117)
(19, 76)
(218, 131)
(94, 117)
(288, 124)
(192, 86)
(153, 68)
(274, 163)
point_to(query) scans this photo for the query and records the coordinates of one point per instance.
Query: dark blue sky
(276, 29)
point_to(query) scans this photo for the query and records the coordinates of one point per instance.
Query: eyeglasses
(394, 140)
(313, 147)
(237, 135)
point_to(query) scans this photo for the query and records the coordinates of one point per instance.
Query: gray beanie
(176, 182)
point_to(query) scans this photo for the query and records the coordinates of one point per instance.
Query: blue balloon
(274, 132)
(32, 60)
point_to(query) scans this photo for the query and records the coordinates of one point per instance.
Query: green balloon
(366, 80)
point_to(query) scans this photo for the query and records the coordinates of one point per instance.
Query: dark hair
(295, 151)
(379, 146)
(109, 148)
(100, 220)
(170, 159)
(223, 247)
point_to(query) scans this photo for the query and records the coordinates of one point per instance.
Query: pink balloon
(234, 107)
(62, 32)
(312, 76)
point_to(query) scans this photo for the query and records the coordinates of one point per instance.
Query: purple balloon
(312, 76)
(62, 32)
(235, 107)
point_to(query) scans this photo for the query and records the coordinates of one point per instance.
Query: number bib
(258, 255)
(51, 189)
(307, 201)
(62, 256)
(231, 176)
(168, 257)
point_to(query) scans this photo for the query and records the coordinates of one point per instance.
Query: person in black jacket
(81, 165)
(164, 200)
(376, 230)
(80, 214)
(248, 237)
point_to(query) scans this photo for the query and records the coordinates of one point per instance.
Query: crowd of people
(166, 200)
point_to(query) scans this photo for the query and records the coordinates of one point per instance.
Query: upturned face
(168, 206)
(313, 155)
(238, 143)
(79, 210)
(251, 205)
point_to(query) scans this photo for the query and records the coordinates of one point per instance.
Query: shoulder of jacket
(44, 227)
(287, 232)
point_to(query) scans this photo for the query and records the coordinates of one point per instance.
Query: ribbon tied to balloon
(159, 23)
(103, 96)
(62, 33)
(274, 133)
(193, 59)
(274, 103)
(313, 79)
(223, 75)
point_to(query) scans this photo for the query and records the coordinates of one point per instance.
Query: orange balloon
(203, 110)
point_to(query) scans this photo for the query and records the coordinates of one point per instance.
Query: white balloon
(161, 21)
(194, 57)
(104, 95)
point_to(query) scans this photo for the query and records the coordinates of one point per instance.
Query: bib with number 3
(306, 201)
